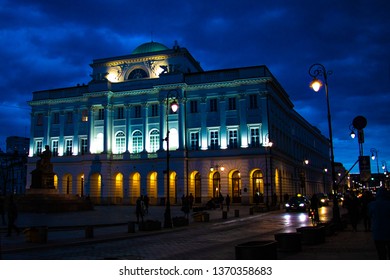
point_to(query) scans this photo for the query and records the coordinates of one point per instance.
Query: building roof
(149, 47)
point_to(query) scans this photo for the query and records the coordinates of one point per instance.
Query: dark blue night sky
(50, 44)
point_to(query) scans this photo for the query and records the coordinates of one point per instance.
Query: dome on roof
(149, 47)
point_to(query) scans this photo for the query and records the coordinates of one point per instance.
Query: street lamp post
(374, 155)
(174, 106)
(315, 71)
(267, 145)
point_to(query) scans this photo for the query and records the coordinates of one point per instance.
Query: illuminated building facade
(107, 137)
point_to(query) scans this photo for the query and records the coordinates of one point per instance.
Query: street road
(213, 240)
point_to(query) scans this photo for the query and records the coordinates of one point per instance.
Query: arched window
(198, 188)
(154, 141)
(137, 142)
(236, 187)
(120, 142)
(257, 185)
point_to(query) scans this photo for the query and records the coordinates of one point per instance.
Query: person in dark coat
(314, 203)
(354, 210)
(379, 212)
(366, 199)
(139, 210)
(12, 216)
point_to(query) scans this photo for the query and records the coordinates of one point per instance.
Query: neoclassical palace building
(235, 131)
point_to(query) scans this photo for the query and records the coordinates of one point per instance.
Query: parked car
(298, 203)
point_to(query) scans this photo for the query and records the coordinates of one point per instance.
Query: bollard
(130, 227)
(89, 232)
(236, 213)
(224, 215)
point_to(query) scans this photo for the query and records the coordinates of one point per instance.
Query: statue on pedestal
(43, 175)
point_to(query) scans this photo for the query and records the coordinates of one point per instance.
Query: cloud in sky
(50, 44)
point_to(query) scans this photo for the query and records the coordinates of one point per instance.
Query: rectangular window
(84, 115)
(54, 147)
(137, 111)
(253, 101)
(84, 146)
(232, 103)
(233, 139)
(120, 113)
(194, 106)
(39, 119)
(38, 147)
(101, 114)
(194, 140)
(214, 139)
(56, 118)
(213, 105)
(154, 110)
(69, 117)
(68, 147)
(255, 137)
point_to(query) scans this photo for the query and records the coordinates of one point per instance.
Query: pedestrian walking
(221, 199)
(379, 212)
(146, 204)
(139, 210)
(185, 206)
(227, 200)
(366, 199)
(353, 207)
(191, 200)
(2, 209)
(12, 216)
(314, 203)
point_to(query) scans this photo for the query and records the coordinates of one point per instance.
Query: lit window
(154, 140)
(120, 142)
(233, 139)
(68, 147)
(38, 145)
(194, 138)
(84, 115)
(137, 142)
(54, 147)
(83, 146)
(214, 139)
(255, 137)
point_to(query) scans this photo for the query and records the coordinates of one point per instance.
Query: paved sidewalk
(344, 245)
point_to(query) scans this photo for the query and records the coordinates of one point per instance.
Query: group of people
(375, 212)
(12, 214)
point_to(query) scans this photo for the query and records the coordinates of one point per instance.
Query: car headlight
(322, 200)
(301, 204)
(287, 205)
